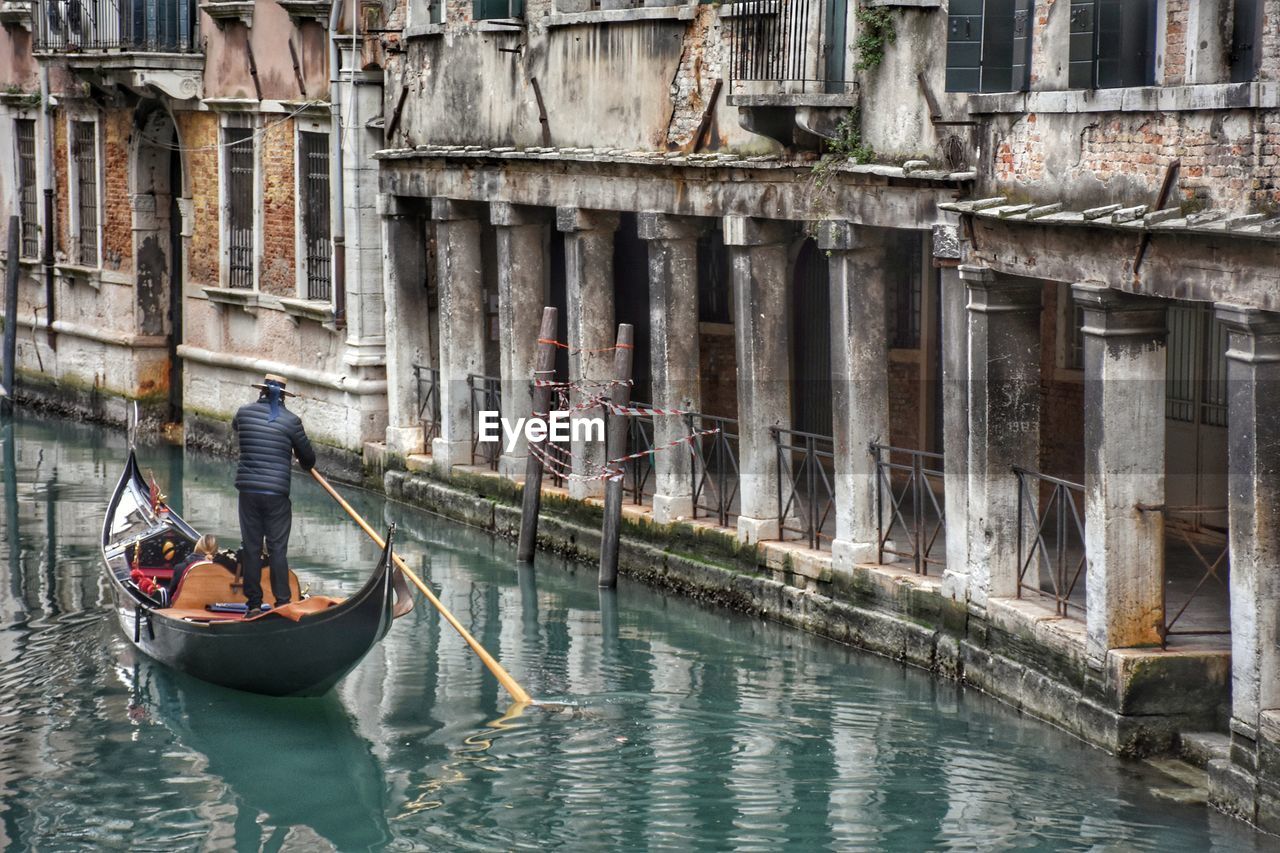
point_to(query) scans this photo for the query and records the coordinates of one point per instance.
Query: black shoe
(280, 603)
(253, 609)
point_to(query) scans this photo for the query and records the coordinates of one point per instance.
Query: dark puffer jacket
(267, 448)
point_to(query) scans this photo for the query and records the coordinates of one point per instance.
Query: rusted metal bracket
(935, 110)
(699, 138)
(542, 112)
(253, 68)
(394, 124)
(297, 69)
(1166, 187)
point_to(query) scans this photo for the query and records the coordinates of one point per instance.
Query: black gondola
(303, 654)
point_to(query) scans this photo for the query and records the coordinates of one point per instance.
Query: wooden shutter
(1246, 31)
(1023, 24)
(964, 46)
(1081, 49)
(997, 46)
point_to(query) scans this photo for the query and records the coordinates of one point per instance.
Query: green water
(686, 728)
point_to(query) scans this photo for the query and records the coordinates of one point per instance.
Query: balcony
(789, 68)
(135, 43)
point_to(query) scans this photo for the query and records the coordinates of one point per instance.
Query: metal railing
(715, 467)
(806, 489)
(427, 386)
(909, 505)
(126, 26)
(637, 481)
(1211, 551)
(1056, 548)
(486, 395)
(784, 41)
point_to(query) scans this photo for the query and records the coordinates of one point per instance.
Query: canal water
(681, 727)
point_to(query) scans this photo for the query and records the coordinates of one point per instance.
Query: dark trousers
(265, 518)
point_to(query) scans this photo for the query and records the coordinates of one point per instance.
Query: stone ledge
(244, 298)
(683, 12)
(307, 309)
(1215, 96)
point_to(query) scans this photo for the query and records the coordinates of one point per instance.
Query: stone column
(522, 293)
(955, 411)
(1004, 422)
(588, 269)
(1253, 401)
(1124, 441)
(404, 261)
(462, 325)
(859, 383)
(673, 330)
(758, 254)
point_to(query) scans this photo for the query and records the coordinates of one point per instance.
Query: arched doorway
(157, 183)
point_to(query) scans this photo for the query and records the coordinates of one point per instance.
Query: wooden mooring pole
(10, 315)
(616, 448)
(544, 368)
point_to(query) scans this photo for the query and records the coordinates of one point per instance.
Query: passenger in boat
(205, 549)
(270, 436)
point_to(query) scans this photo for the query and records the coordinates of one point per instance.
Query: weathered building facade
(173, 170)
(994, 370)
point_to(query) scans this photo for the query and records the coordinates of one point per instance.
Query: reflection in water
(667, 725)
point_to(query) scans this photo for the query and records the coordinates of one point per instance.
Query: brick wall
(198, 130)
(61, 195)
(904, 403)
(719, 371)
(117, 232)
(276, 271)
(1269, 68)
(1175, 43)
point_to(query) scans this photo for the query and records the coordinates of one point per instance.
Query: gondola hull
(270, 655)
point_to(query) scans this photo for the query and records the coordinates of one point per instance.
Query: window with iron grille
(1196, 366)
(25, 134)
(240, 180)
(313, 168)
(84, 151)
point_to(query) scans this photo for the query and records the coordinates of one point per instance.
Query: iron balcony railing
(715, 467)
(910, 507)
(126, 26)
(427, 386)
(1051, 555)
(795, 42)
(486, 396)
(1206, 553)
(637, 481)
(806, 490)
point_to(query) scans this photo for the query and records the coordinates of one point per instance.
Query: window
(483, 10)
(1112, 43)
(313, 171)
(1070, 331)
(989, 45)
(241, 180)
(84, 155)
(25, 134)
(906, 289)
(1246, 31)
(713, 279)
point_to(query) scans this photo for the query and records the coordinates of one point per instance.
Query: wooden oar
(504, 678)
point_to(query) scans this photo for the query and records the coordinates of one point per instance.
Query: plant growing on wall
(846, 146)
(875, 30)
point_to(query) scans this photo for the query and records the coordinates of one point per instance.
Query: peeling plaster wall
(226, 70)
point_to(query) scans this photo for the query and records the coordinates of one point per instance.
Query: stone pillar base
(668, 509)
(512, 467)
(445, 454)
(404, 441)
(583, 489)
(845, 554)
(955, 585)
(753, 530)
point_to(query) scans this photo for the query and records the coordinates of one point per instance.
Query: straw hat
(276, 379)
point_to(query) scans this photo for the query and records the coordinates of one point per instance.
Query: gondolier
(270, 436)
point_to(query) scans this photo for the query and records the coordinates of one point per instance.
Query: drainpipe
(337, 215)
(46, 130)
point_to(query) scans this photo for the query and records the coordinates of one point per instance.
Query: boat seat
(210, 583)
